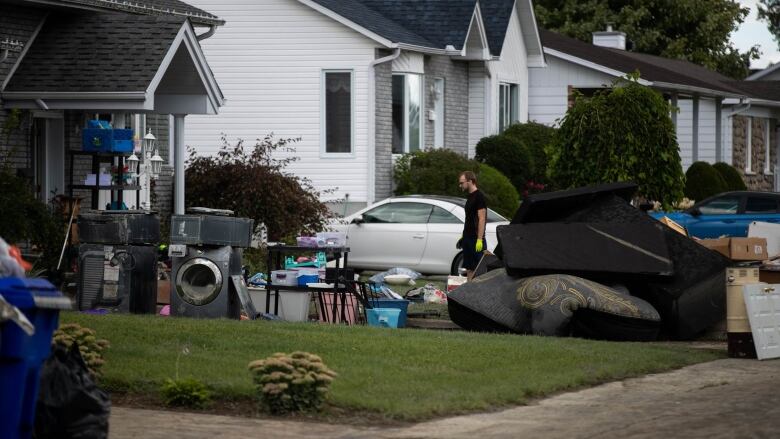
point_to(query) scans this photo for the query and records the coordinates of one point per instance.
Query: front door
(49, 155)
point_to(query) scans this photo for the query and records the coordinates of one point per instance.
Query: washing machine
(201, 282)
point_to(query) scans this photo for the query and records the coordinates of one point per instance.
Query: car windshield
(720, 206)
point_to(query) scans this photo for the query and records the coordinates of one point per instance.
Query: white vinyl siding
(512, 68)
(478, 85)
(268, 60)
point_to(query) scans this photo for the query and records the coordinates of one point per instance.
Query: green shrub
(731, 176)
(90, 347)
(291, 383)
(499, 192)
(24, 217)
(432, 172)
(702, 180)
(508, 155)
(621, 134)
(536, 137)
(255, 185)
(185, 392)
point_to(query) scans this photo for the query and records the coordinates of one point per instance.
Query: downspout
(372, 123)
(207, 34)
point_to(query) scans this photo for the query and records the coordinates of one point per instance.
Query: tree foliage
(693, 30)
(255, 185)
(769, 11)
(702, 181)
(734, 181)
(623, 134)
(509, 156)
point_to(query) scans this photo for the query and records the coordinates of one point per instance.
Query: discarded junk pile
(585, 262)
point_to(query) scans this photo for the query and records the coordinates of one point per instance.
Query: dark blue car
(727, 214)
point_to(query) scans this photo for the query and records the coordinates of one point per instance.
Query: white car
(415, 231)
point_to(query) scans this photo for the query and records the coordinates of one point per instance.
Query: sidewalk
(727, 398)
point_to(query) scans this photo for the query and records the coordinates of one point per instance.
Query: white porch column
(695, 136)
(674, 113)
(178, 166)
(718, 129)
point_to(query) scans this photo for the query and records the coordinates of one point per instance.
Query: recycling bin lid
(26, 293)
(209, 211)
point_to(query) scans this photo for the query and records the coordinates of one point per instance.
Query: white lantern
(132, 164)
(157, 162)
(150, 143)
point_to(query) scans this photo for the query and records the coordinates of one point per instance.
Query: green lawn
(399, 374)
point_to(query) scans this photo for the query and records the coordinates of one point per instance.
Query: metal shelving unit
(97, 159)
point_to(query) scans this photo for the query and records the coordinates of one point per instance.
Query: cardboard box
(673, 225)
(738, 249)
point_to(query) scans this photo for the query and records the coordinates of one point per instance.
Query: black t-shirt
(474, 202)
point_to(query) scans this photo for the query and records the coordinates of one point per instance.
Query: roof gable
(78, 59)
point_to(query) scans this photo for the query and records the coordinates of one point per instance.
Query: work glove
(480, 246)
(459, 244)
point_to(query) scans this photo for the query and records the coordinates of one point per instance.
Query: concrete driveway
(727, 398)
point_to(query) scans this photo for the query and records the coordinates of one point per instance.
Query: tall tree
(692, 30)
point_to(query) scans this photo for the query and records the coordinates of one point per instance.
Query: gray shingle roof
(152, 7)
(769, 90)
(651, 68)
(428, 23)
(96, 53)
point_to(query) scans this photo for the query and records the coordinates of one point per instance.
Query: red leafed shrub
(255, 185)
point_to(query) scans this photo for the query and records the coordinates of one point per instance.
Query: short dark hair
(469, 176)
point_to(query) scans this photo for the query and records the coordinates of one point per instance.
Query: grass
(395, 374)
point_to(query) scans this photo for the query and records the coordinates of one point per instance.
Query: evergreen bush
(702, 181)
(432, 172)
(731, 176)
(500, 194)
(620, 134)
(509, 155)
(536, 137)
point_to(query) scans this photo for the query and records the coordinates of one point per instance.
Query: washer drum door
(199, 281)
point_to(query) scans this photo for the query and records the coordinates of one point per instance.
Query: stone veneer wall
(756, 179)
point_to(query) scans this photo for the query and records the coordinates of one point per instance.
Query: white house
(361, 81)
(719, 119)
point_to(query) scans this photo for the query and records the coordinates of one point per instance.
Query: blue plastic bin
(21, 355)
(401, 304)
(106, 140)
(383, 317)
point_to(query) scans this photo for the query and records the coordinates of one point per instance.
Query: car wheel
(457, 264)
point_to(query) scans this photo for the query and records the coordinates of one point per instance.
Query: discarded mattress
(557, 305)
(610, 252)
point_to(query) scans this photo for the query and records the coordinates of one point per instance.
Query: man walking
(473, 240)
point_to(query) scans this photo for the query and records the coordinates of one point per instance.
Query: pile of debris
(585, 262)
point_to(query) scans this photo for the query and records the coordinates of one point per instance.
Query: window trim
(767, 147)
(324, 154)
(749, 146)
(407, 137)
(513, 101)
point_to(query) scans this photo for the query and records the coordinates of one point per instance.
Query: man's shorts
(470, 256)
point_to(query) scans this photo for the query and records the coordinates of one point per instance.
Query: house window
(507, 105)
(407, 113)
(749, 145)
(438, 111)
(767, 148)
(337, 113)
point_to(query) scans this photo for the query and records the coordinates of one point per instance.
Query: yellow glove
(480, 246)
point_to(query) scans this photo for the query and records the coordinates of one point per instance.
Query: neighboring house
(719, 119)
(64, 62)
(362, 81)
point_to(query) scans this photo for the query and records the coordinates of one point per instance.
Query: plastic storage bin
(308, 275)
(306, 241)
(331, 239)
(22, 355)
(287, 278)
(293, 305)
(383, 317)
(401, 305)
(107, 140)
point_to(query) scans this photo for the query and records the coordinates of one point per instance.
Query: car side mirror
(694, 211)
(358, 220)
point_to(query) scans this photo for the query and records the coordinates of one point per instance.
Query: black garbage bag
(70, 405)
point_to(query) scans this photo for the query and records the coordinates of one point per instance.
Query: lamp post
(149, 167)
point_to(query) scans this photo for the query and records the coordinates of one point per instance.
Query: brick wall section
(456, 101)
(384, 127)
(16, 23)
(758, 180)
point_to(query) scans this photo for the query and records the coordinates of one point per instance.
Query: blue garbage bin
(22, 355)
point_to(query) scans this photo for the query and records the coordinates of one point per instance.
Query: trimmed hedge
(501, 195)
(509, 155)
(536, 137)
(731, 176)
(703, 181)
